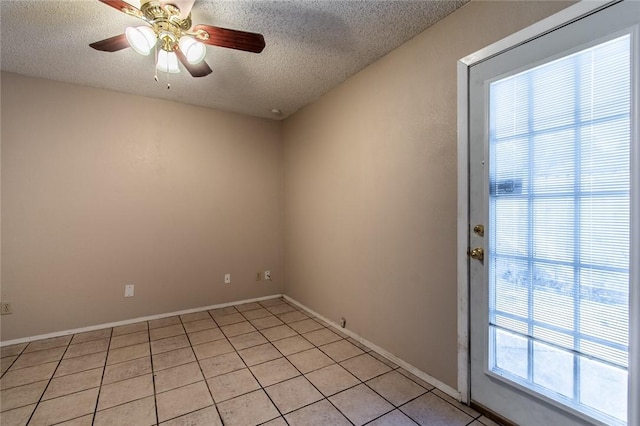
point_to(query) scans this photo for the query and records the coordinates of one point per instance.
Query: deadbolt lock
(479, 230)
(477, 253)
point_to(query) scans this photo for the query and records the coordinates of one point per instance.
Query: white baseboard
(132, 321)
(410, 368)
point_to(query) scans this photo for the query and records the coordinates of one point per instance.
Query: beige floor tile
(395, 418)
(232, 384)
(18, 417)
(79, 421)
(173, 358)
(65, 408)
(292, 345)
(360, 404)
(164, 322)
(272, 372)
(229, 319)
(293, 394)
(277, 333)
(248, 340)
(128, 353)
(416, 379)
(27, 375)
(272, 302)
(341, 350)
(332, 379)
(204, 336)
(6, 362)
(12, 350)
(54, 342)
(129, 339)
(365, 367)
(207, 350)
(460, 406)
(22, 395)
(429, 409)
(72, 383)
(280, 309)
(228, 310)
(168, 331)
(221, 364)
(279, 421)
(321, 337)
(206, 417)
(140, 413)
(248, 307)
(87, 348)
(256, 313)
(250, 409)
(321, 413)
(104, 333)
(82, 363)
(176, 377)
(266, 322)
(36, 358)
(125, 391)
(195, 316)
(169, 344)
(306, 326)
(126, 370)
(310, 360)
(130, 328)
(237, 329)
(293, 316)
(200, 325)
(180, 401)
(396, 388)
(259, 354)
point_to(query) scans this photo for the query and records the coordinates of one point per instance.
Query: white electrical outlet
(5, 308)
(267, 275)
(227, 278)
(128, 290)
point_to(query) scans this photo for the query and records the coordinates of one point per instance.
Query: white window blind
(559, 172)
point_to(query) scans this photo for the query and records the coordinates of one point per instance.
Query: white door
(551, 137)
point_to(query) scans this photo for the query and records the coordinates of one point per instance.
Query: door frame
(562, 18)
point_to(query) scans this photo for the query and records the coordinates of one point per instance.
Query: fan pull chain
(155, 63)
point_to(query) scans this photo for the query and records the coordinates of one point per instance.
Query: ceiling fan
(170, 31)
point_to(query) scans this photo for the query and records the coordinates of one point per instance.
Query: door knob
(477, 253)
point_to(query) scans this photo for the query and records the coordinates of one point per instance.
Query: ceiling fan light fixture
(193, 50)
(167, 62)
(141, 39)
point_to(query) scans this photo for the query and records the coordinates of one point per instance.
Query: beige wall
(100, 189)
(370, 190)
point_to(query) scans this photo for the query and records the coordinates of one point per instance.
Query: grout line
(153, 375)
(104, 368)
(202, 372)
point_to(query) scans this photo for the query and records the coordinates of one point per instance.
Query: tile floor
(257, 363)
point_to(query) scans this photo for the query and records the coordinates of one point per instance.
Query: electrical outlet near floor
(5, 308)
(227, 278)
(267, 275)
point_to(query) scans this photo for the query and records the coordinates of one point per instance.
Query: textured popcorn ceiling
(311, 46)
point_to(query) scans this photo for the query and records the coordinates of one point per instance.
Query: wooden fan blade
(121, 6)
(196, 70)
(233, 39)
(112, 44)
